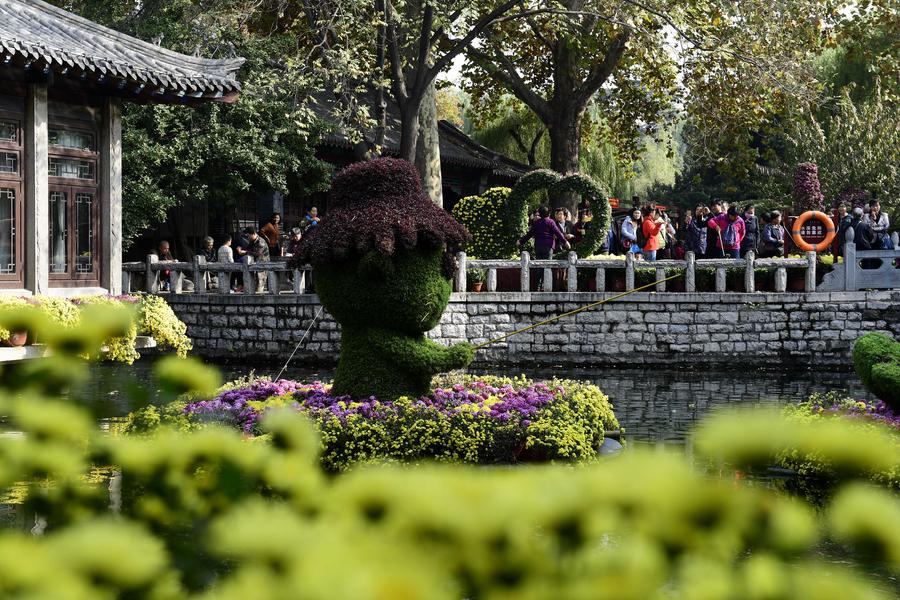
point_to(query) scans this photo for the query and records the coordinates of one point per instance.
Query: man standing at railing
(258, 250)
(545, 233)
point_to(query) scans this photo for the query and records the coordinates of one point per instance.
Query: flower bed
(486, 420)
(153, 317)
(866, 417)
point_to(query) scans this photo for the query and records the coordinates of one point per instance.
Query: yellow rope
(572, 312)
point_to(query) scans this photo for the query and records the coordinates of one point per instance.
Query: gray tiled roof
(34, 34)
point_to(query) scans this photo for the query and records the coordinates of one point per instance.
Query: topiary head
(384, 255)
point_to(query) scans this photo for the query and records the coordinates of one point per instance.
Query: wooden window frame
(16, 182)
(71, 277)
(72, 186)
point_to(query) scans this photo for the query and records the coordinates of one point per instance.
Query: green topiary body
(382, 263)
(877, 360)
(385, 305)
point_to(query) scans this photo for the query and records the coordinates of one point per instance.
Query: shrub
(866, 419)
(158, 320)
(154, 318)
(206, 513)
(466, 419)
(493, 236)
(807, 191)
(877, 360)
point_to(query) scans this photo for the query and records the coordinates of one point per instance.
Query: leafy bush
(155, 318)
(818, 476)
(205, 513)
(486, 420)
(158, 320)
(877, 360)
(492, 235)
(807, 191)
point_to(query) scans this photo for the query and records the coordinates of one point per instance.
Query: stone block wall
(739, 330)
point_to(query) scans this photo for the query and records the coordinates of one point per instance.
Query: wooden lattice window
(74, 208)
(11, 201)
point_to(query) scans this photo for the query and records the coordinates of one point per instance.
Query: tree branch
(601, 71)
(421, 65)
(398, 84)
(462, 44)
(509, 77)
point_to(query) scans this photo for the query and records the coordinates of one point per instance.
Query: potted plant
(475, 278)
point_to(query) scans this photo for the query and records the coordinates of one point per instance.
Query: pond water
(658, 406)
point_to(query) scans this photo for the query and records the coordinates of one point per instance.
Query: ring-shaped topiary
(521, 203)
(876, 358)
(382, 262)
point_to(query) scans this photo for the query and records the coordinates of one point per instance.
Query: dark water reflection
(654, 406)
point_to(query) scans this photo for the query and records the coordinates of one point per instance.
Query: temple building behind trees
(62, 82)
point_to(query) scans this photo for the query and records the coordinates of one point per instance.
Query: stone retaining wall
(741, 330)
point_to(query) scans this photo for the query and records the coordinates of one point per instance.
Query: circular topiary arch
(521, 203)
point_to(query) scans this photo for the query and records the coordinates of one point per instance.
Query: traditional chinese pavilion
(62, 83)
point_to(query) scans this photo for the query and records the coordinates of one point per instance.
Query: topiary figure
(877, 360)
(383, 260)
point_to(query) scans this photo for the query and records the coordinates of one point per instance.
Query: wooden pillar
(111, 196)
(37, 204)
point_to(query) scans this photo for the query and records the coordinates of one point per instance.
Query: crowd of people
(710, 232)
(247, 246)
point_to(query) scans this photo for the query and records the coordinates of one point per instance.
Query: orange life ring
(819, 216)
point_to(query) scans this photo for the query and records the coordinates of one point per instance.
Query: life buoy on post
(801, 220)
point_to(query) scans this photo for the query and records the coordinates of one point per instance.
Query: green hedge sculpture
(382, 262)
(876, 357)
(524, 199)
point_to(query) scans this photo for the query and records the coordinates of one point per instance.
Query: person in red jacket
(652, 224)
(729, 233)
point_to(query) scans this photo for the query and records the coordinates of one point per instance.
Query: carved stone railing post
(492, 279)
(629, 272)
(660, 275)
(272, 282)
(810, 271)
(749, 273)
(224, 282)
(572, 273)
(525, 272)
(720, 279)
(461, 272)
(176, 277)
(600, 279)
(126, 282)
(249, 278)
(780, 279)
(548, 280)
(851, 265)
(299, 277)
(199, 276)
(690, 272)
(151, 275)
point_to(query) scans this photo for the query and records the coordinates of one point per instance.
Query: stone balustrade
(283, 279)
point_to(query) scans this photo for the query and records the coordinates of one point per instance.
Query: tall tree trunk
(565, 151)
(428, 150)
(409, 131)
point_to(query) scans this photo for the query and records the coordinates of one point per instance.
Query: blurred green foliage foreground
(210, 514)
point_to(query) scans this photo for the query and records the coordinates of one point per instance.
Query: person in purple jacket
(546, 234)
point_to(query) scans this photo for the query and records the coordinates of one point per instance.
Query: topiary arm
(419, 353)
